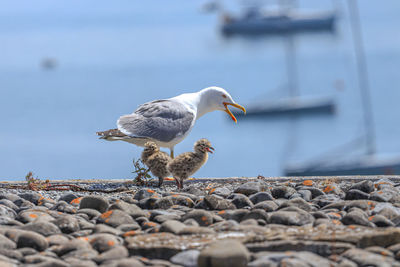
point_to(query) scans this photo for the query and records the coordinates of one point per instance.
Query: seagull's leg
(172, 152)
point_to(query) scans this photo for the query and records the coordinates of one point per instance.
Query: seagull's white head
(217, 98)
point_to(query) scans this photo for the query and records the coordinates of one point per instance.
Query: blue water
(113, 56)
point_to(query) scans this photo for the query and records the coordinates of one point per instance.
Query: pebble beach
(260, 221)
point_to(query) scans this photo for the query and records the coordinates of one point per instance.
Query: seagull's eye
(224, 96)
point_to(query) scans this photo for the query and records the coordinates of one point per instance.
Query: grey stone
(103, 242)
(296, 202)
(365, 258)
(114, 253)
(356, 217)
(80, 263)
(250, 188)
(305, 194)
(68, 197)
(128, 227)
(241, 201)
(26, 216)
(43, 228)
(128, 262)
(84, 254)
(74, 244)
(267, 205)
(31, 197)
(92, 213)
(12, 253)
(221, 191)
(196, 230)
(57, 239)
(282, 192)
(105, 229)
(385, 238)
(202, 217)
(32, 240)
(6, 243)
(172, 226)
(8, 203)
(67, 224)
(115, 218)
(355, 194)
(260, 197)
(186, 258)
(8, 212)
(64, 207)
(256, 214)
(364, 186)
(98, 203)
(381, 221)
(145, 193)
(229, 253)
(133, 210)
(218, 203)
(290, 217)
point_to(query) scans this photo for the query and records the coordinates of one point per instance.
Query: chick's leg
(160, 181)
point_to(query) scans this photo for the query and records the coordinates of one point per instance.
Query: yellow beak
(236, 106)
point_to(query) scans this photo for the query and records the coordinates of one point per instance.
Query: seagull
(168, 121)
(188, 163)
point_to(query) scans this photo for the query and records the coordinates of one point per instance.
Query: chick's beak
(209, 149)
(236, 106)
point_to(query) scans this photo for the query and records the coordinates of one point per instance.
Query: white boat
(370, 163)
(291, 106)
(256, 22)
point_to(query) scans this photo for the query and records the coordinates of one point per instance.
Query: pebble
(229, 253)
(251, 223)
(98, 203)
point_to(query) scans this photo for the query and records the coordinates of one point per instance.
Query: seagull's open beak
(236, 106)
(209, 149)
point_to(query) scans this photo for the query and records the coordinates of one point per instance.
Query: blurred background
(71, 68)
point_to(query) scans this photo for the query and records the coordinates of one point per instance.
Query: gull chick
(188, 163)
(156, 161)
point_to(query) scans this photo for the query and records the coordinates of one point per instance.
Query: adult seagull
(168, 121)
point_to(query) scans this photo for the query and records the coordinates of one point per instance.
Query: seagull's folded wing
(162, 120)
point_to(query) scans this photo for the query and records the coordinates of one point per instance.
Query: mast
(362, 72)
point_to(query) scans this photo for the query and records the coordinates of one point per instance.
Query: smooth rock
(282, 192)
(218, 203)
(172, 226)
(365, 258)
(98, 203)
(43, 228)
(133, 210)
(6, 243)
(250, 188)
(202, 217)
(267, 205)
(186, 258)
(260, 197)
(229, 253)
(355, 194)
(32, 240)
(115, 218)
(114, 253)
(67, 224)
(365, 186)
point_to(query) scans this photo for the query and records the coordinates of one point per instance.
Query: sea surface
(107, 57)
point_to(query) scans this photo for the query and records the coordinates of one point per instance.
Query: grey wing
(161, 120)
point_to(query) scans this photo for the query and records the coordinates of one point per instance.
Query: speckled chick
(188, 163)
(156, 161)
